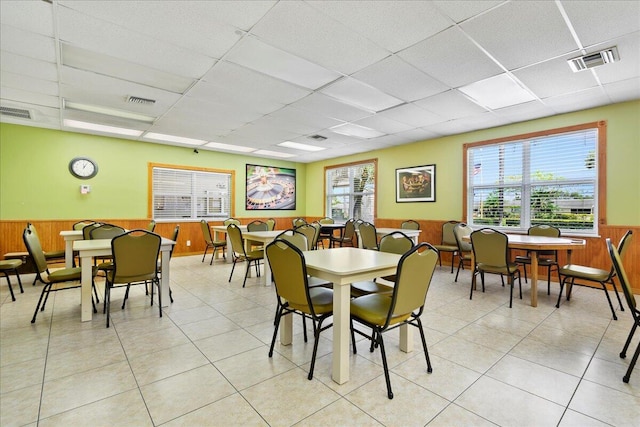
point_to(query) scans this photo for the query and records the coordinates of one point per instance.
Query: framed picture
(270, 188)
(416, 184)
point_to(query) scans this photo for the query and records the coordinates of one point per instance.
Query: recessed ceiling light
(173, 138)
(230, 147)
(497, 92)
(274, 153)
(70, 105)
(101, 128)
(298, 146)
(358, 131)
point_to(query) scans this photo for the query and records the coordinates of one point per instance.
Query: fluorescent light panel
(173, 138)
(273, 153)
(230, 147)
(357, 131)
(497, 92)
(70, 105)
(298, 146)
(101, 128)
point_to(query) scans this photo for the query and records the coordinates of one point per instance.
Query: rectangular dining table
(69, 237)
(343, 266)
(87, 249)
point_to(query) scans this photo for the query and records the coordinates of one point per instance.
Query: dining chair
(625, 284)
(11, 266)
(346, 237)
(135, 262)
(81, 224)
(210, 242)
(410, 224)
(229, 221)
(298, 222)
(105, 231)
(491, 254)
(241, 255)
(547, 259)
(151, 226)
(405, 306)
(460, 231)
(310, 232)
(448, 242)
(571, 272)
(271, 222)
(295, 296)
(53, 256)
(368, 236)
(325, 235)
(256, 225)
(51, 280)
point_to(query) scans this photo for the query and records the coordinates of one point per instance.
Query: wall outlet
(188, 242)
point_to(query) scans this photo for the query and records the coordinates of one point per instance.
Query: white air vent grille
(138, 100)
(596, 59)
(15, 112)
(318, 137)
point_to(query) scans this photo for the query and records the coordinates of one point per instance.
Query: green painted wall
(623, 166)
(35, 182)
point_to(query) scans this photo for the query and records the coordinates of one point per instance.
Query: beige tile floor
(205, 361)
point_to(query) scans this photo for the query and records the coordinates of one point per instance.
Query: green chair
(410, 224)
(151, 226)
(346, 237)
(241, 255)
(571, 272)
(405, 306)
(368, 236)
(298, 222)
(229, 221)
(271, 223)
(52, 257)
(11, 266)
(105, 231)
(460, 231)
(210, 242)
(257, 225)
(491, 253)
(448, 242)
(58, 280)
(310, 232)
(294, 293)
(81, 224)
(135, 261)
(633, 307)
(547, 259)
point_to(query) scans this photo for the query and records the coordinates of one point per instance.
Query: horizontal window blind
(351, 192)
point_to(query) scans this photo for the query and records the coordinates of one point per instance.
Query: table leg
(341, 333)
(406, 339)
(68, 253)
(567, 288)
(86, 308)
(534, 279)
(164, 277)
(229, 249)
(286, 329)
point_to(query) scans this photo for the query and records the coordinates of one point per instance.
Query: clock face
(83, 168)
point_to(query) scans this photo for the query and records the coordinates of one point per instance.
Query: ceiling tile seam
(56, 42)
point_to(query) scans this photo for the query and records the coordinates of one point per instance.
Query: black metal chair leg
(380, 342)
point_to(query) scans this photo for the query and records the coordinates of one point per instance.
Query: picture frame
(416, 184)
(270, 188)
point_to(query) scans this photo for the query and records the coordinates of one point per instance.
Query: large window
(350, 191)
(180, 194)
(545, 178)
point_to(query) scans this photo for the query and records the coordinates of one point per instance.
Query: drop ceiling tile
(355, 92)
(396, 77)
(102, 119)
(301, 30)
(29, 97)
(523, 112)
(461, 10)
(418, 134)
(451, 58)
(261, 57)
(33, 16)
(589, 98)
(629, 65)
(211, 111)
(300, 121)
(26, 66)
(264, 133)
(412, 115)
(522, 33)
(26, 43)
(393, 25)
(450, 105)
(593, 21)
(193, 126)
(383, 124)
(330, 107)
(29, 84)
(110, 39)
(626, 90)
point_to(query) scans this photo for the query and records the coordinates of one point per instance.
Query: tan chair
(491, 253)
(11, 266)
(410, 224)
(405, 306)
(298, 222)
(368, 236)
(135, 261)
(256, 225)
(571, 272)
(52, 257)
(448, 242)
(230, 221)
(210, 242)
(271, 223)
(81, 224)
(310, 232)
(616, 260)
(58, 280)
(460, 231)
(295, 295)
(547, 259)
(241, 255)
(151, 226)
(346, 237)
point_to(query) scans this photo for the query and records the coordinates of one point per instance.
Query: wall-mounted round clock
(83, 167)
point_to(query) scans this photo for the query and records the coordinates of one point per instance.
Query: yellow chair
(294, 294)
(491, 253)
(368, 236)
(448, 242)
(571, 272)
(298, 222)
(310, 232)
(229, 221)
(241, 255)
(11, 266)
(257, 225)
(345, 238)
(210, 242)
(271, 223)
(405, 306)
(616, 259)
(547, 259)
(151, 226)
(410, 224)
(460, 231)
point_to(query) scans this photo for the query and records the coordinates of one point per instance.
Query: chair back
(349, 229)
(461, 230)
(32, 242)
(257, 225)
(297, 222)
(368, 236)
(410, 225)
(86, 230)
(544, 230)
(296, 238)
(206, 232)
(622, 249)
(235, 236)
(174, 237)
(616, 260)
(413, 278)
(448, 237)
(135, 256)
(106, 231)
(151, 226)
(396, 243)
(289, 273)
(271, 223)
(81, 224)
(326, 220)
(490, 248)
(310, 232)
(228, 221)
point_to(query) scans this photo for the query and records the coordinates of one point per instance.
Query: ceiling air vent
(318, 137)
(594, 59)
(138, 100)
(15, 112)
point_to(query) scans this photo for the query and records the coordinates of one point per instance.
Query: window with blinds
(549, 179)
(350, 191)
(180, 194)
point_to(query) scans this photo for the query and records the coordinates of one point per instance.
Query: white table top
(347, 263)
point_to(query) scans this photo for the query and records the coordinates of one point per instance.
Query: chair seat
(541, 261)
(374, 309)
(497, 270)
(446, 248)
(54, 254)
(369, 287)
(321, 298)
(257, 254)
(65, 274)
(584, 272)
(10, 264)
